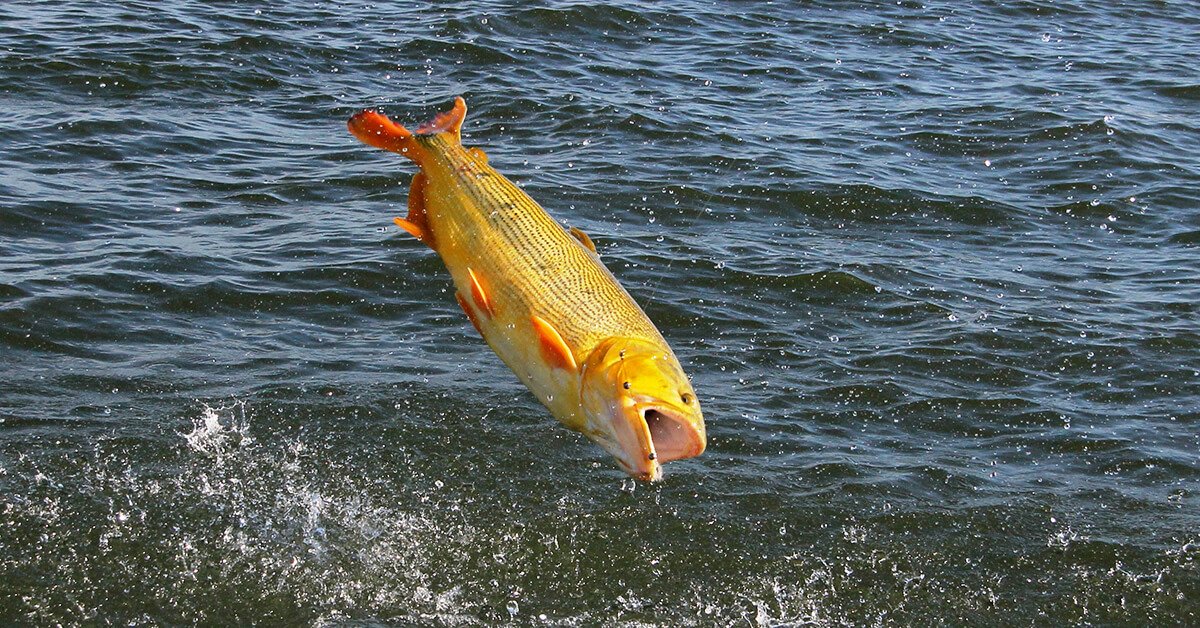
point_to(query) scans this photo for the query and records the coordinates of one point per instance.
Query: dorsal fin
(447, 122)
(583, 239)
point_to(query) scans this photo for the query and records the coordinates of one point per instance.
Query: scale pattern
(532, 265)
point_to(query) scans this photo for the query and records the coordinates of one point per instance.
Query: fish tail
(375, 129)
(447, 122)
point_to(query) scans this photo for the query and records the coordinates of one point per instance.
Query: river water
(933, 267)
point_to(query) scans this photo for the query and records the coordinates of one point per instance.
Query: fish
(540, 296)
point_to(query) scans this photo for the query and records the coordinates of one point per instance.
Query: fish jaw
(639, 406)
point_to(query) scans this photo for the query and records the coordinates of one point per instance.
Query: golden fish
(543, 301)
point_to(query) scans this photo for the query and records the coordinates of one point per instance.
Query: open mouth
(673, 437)
(648, 434)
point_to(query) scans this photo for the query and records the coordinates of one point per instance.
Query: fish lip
(651, 472)
(649, 433)
(633, 443)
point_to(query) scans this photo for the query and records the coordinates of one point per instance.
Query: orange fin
(375, 129)
(479, 155)
(584, 239)
(447, 122)
(417, 223)
(409, 227)
(470, 314)
(479, 295)
(554, 349)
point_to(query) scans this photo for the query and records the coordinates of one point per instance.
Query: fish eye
(626, 385)
(687, 398)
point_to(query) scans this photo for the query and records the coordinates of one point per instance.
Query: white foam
(212, 436)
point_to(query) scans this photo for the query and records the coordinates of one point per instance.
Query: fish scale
(545, 269)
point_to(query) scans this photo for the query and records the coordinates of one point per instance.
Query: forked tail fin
(447, 122)
(375, 129)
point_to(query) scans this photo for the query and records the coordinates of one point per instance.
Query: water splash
(213, 436)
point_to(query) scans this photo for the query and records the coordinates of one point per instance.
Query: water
(933, 267)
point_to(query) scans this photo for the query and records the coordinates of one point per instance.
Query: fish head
(640, 407)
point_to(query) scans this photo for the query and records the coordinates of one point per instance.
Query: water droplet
(513, 608)
(833, 339)
(952, 317)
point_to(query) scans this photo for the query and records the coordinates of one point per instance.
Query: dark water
(934, 269)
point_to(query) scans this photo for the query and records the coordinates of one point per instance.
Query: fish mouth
(651, 434)
(674, 437)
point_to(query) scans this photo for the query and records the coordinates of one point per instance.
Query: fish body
(541, 298)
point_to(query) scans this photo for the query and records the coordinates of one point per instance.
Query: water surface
(933, 267)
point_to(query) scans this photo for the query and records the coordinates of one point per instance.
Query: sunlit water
(933, 267)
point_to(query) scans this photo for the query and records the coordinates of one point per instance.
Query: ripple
(930, 266)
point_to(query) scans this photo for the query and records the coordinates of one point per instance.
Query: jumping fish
(541, 298)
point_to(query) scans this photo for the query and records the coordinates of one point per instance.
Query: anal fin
(554, 349)
(417, 222)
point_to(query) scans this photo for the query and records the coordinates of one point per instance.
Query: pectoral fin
(470, 314)
(479, 295)
(554, 349)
